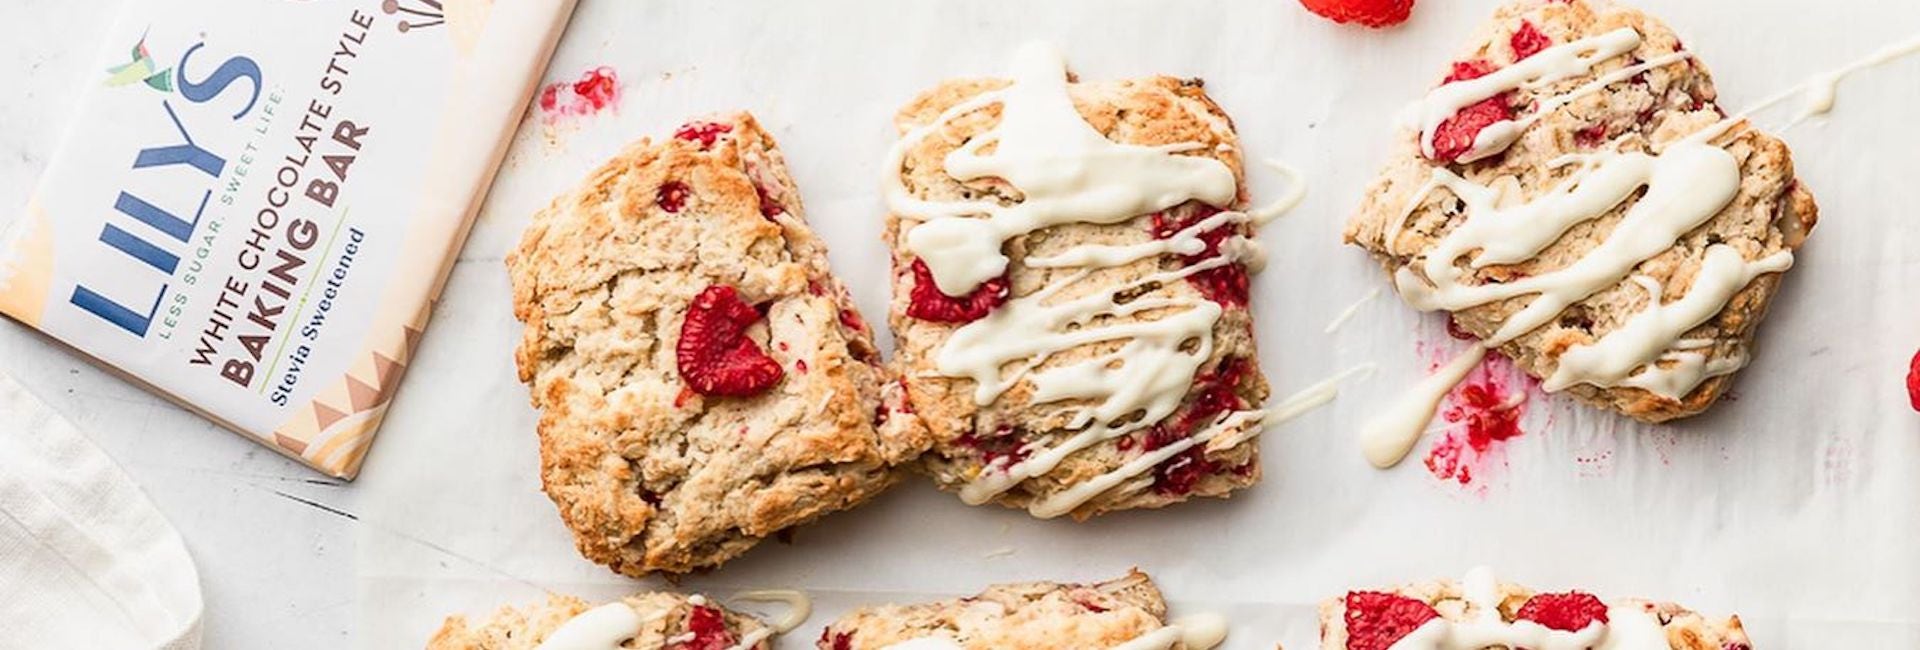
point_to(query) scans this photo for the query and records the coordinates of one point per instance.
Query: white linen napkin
(85, 559)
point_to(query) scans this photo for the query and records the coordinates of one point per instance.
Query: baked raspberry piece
(1567, 612)
(1027, 616)
(1455, 137)
(1194, 270)
(664, 620)
(1376, 620)
(929, 304)
(716, 357)
(1496, 610)
(702, 379)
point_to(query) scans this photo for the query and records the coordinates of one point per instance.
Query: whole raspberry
(1568, 612)
(1913, 381)
(709, 629)
(1376, 620)
(926, 302)
(1454, 137)
(1372, 13)
(715, 355)
(705, 133)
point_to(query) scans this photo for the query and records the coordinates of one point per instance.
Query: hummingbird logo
(141, 70)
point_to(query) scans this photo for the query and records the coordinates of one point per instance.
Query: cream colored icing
(1347, 314)
(1068, 172)
(1386, 438)
(799, 606)
(1545, 67)
(1627, 628)
(601, 628)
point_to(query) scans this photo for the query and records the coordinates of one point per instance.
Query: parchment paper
(1792, 505)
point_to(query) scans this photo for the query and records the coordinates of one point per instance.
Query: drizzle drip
(799, 606)
(1068, 172)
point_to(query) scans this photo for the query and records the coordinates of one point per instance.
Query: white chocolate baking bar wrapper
(257, 202)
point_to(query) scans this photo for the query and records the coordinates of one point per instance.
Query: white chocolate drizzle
(1389, 435)
(1067, 172)
(799, 606)
(1544, 68)
(1628, 627)
(601, 628)
(1347, 314)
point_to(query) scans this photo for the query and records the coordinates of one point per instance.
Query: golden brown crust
(1031, 616)
(650, 475)
(1146, 111)
(1772, 212)
(666, 617)
(1686, 630)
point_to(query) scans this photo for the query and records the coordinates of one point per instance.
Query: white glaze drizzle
(1546, 67)
(1627, 628)
(608, 626)
(799, 606)
(601, 628)
(1296, 192)
(1819, 92)
(1651, 333)
(1389, 435)
(1347, 314)
(1235, 428)
(1068, 172)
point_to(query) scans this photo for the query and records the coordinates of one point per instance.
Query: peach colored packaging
(258, 201)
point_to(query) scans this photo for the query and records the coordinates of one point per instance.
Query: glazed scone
(1030, 616)
(1589, 146)
(704, 380)
(1100, 354)
(653, 621)
(1505, 616)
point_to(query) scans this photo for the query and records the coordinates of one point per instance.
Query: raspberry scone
(1574, 197)
(658, 620)
(1123, 613)
(1480, 612)
(1070, 291)
(705, 381)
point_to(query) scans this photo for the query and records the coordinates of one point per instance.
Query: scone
(1573, 195)
(1127, 612)
(659, 620)
(1070, 291)
(705, 381)
(1481, 612)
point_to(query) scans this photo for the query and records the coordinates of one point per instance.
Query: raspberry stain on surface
(1481, 416)
(596, 90)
